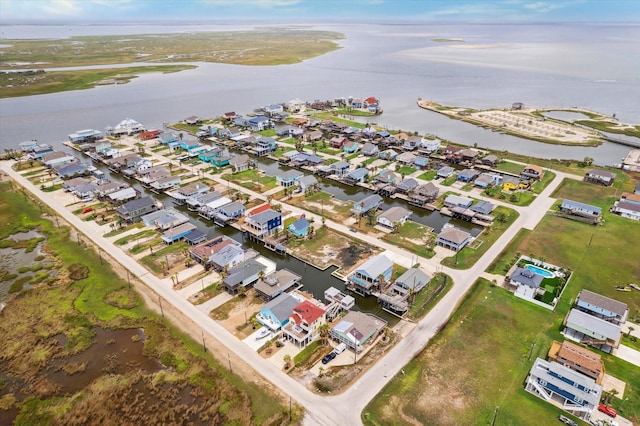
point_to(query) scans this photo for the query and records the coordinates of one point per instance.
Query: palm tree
(287, 361)
(163, 264)
(629, 331)
(324, 333)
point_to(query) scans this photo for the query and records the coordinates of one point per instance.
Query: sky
(179, 11)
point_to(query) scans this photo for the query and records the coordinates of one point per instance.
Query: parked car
(567, 420)
(607, 410)
(340, 348)
(331, 355)
(353, 230)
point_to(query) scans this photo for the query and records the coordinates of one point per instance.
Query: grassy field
(70, 310)
(607, 261)
(21, 84)
(438, 287)
(413, 237)
(252, 179)
(479, 362)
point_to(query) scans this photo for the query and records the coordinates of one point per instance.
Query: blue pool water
(541, 271)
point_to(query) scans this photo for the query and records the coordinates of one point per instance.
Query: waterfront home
(412, 281)
(208, 154)
(490, 160)
(386, 177)
(450, 150)
(209, 208)
(358, 175)
(177, 233)
(300, 228)
(195, 237)
(259, 123)
(274, 284)
(372, 202)
(106, 150)
(351, 147)
(264, 145)
(169, 138)
(246, 273)
(532, 171)
(275, 314)
(578, 359)
(67, 171)
(189, 145)
(131, 211)
(406, 158)
(592, 331)
(372, 274)
(273, 109)
(483, 207)
(239, 162)
(295, 105)
(139, 164)
(468, 155)
(28, 146)
(288, 178)
(357, 330)
(457, 201)
(445, 172)
(420, 162)
(149, 178)
(510, 183)
(527, 283)
(57, 159)
(227, 257)
(389, 155)
(572, 391)
(149, 135)
(86, 191)
(229, 115)
(429, 146)
(453, 238)
(575, 208)
(337, 302)
(87, 135)
(229, 212)
(602, 177)
(165, 183)
(307, 182)
(304, 324)
(407, 185)
(369, 150)
(338, 142)
(626, 209)
(423, 194)
(602, 307)
(264, 224)
(124, 194)
(339, 168)
(486, 180)
(395, 216)
(313, 135)
(467, 175)
(40, 151)
(127, 126)
(71, 184)
(411, 143)
(164, 219)
(203, 253)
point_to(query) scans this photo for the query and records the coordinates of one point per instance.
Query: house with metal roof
(360, 208)
(407, 185)
(358, 175)
(369, 276)
(227, 257)
(307, 182)
(195, 237)
(393, 216)
(133, 210)
(386, 176)
(229, 212)
(165, 183)
(423, 194)
(300, 228)
(467, 175)
(602, 177)
(457, 201)
(602, 307)
(272, 285)
(57, 159)
(406, 158)
(259, 123)
(445, 172)
(357, 330)
(70, 170)
(164, 218)
(122, 194)
(580, 209)
(275, 314)
(627, 209)
(485, 180)
(573, 391)
(304, 324)
(289, 177)
(389, 155)
(264, 224)
(483, 207)
(194, 203)
(369, 150)
(172, 235)
(203, 253)
(245, 274)
(239, 162)
(453, 238)
(592, 331)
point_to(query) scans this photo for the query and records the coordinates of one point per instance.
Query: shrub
(78, 271)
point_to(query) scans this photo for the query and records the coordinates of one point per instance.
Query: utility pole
(590, 239)
(160, 302)
(100, 254)
(203, 345)
(128, 278)
(229, 358)
(531, 350)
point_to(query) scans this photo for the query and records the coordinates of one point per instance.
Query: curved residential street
(320, 410)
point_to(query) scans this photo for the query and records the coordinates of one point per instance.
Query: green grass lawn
(539, 186)
(468, 256)
(430, 175)
(509, 167)
(517, 198)
(408, 237)
(252, 179)
(406, 170)
(368, 161)
(480, 361)
(352, 156)
(449, 181)
(439, 285)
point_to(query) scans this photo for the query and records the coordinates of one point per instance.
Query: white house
(393, 216)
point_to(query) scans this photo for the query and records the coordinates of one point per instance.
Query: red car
(87, 210)
(607, 410)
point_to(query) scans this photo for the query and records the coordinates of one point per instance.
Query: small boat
(632, 285)
(264, 332)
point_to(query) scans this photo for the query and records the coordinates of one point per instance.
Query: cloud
(546, 7)
(259, 3)
(62, 8)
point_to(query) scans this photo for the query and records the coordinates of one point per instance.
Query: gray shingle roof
(527, 277)
(597, 327)
(604, 302)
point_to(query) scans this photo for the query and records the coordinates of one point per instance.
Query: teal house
(299, 228)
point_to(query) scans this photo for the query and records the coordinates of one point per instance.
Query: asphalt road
(347, 407)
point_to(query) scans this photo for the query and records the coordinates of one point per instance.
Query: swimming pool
(540, 271)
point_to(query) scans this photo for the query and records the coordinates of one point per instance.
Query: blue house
(208, 155)
(177, 233)
(264, 224)
(371, 202)
(602, 307)
(350, 147)
(189, 145)
(167, 138)
(580, 209)
(40, 151)
(359, 175)
(289, 177)
(300, 227)
(241, 122)
(221, 161)
(383, 134)
(229, 212)
(260, 123)
(389, 155)
(367, 277)
(265, 145)
(467, 175)
(275, 314)
(386, 176)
